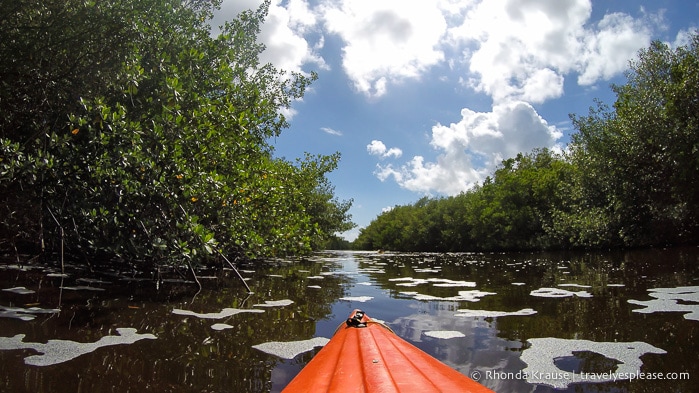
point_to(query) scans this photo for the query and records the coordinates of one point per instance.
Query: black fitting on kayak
(356, 320)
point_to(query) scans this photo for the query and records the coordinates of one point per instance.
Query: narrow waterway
(535, 322)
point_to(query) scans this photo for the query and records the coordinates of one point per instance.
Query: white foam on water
(361, 299)
(450, 283)
(25, 314)
(275, 303)
(55, 275)
(437, 282)
(371, 270)
(666, 300)
(470, 296)
(290, 349)
(575, 285)
(83, 288)
(226, 312)
(92, 281)
(419, 296)
(427, 270)
(19, 290)
(493, 314)
(59, 351)
(557, 292)
(543, 352)
(444, 334)
(473, 295)
(221, 326)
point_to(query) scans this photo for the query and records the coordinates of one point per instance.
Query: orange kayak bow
(366, 356)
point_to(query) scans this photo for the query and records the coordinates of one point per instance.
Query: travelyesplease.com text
(532, 376)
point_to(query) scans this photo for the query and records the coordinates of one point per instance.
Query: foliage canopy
(138, 134)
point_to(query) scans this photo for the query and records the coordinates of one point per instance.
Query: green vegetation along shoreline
(629, 178)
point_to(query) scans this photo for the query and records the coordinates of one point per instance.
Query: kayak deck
(366, 356)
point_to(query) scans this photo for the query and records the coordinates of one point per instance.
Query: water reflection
(476, 312)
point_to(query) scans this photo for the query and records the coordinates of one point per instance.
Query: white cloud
(522, 49)
(517, 52)
(230, 9)
(513, 50)
(283, 32)
(684, 37)
(331, 131)
(385, 41)
(608, 52)
(472, 148)
(377, 148)
(283, 35)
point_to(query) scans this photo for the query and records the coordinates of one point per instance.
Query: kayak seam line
(337, 361)
(415, 367)
(383, 360)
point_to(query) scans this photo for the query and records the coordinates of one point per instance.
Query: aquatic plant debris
(543, 352)
(666, 300)
(25, 314)
(59, 351)
(19, 290)
(557, 292)
(493, 314)
(226, 312)
(444, 334)
(275, 303)
(291, 349)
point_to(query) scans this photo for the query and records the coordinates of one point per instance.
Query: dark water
(415, 294)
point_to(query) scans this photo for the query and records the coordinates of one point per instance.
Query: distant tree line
(629, 178)
(129, 131)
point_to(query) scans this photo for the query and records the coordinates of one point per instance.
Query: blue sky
(426, 97)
